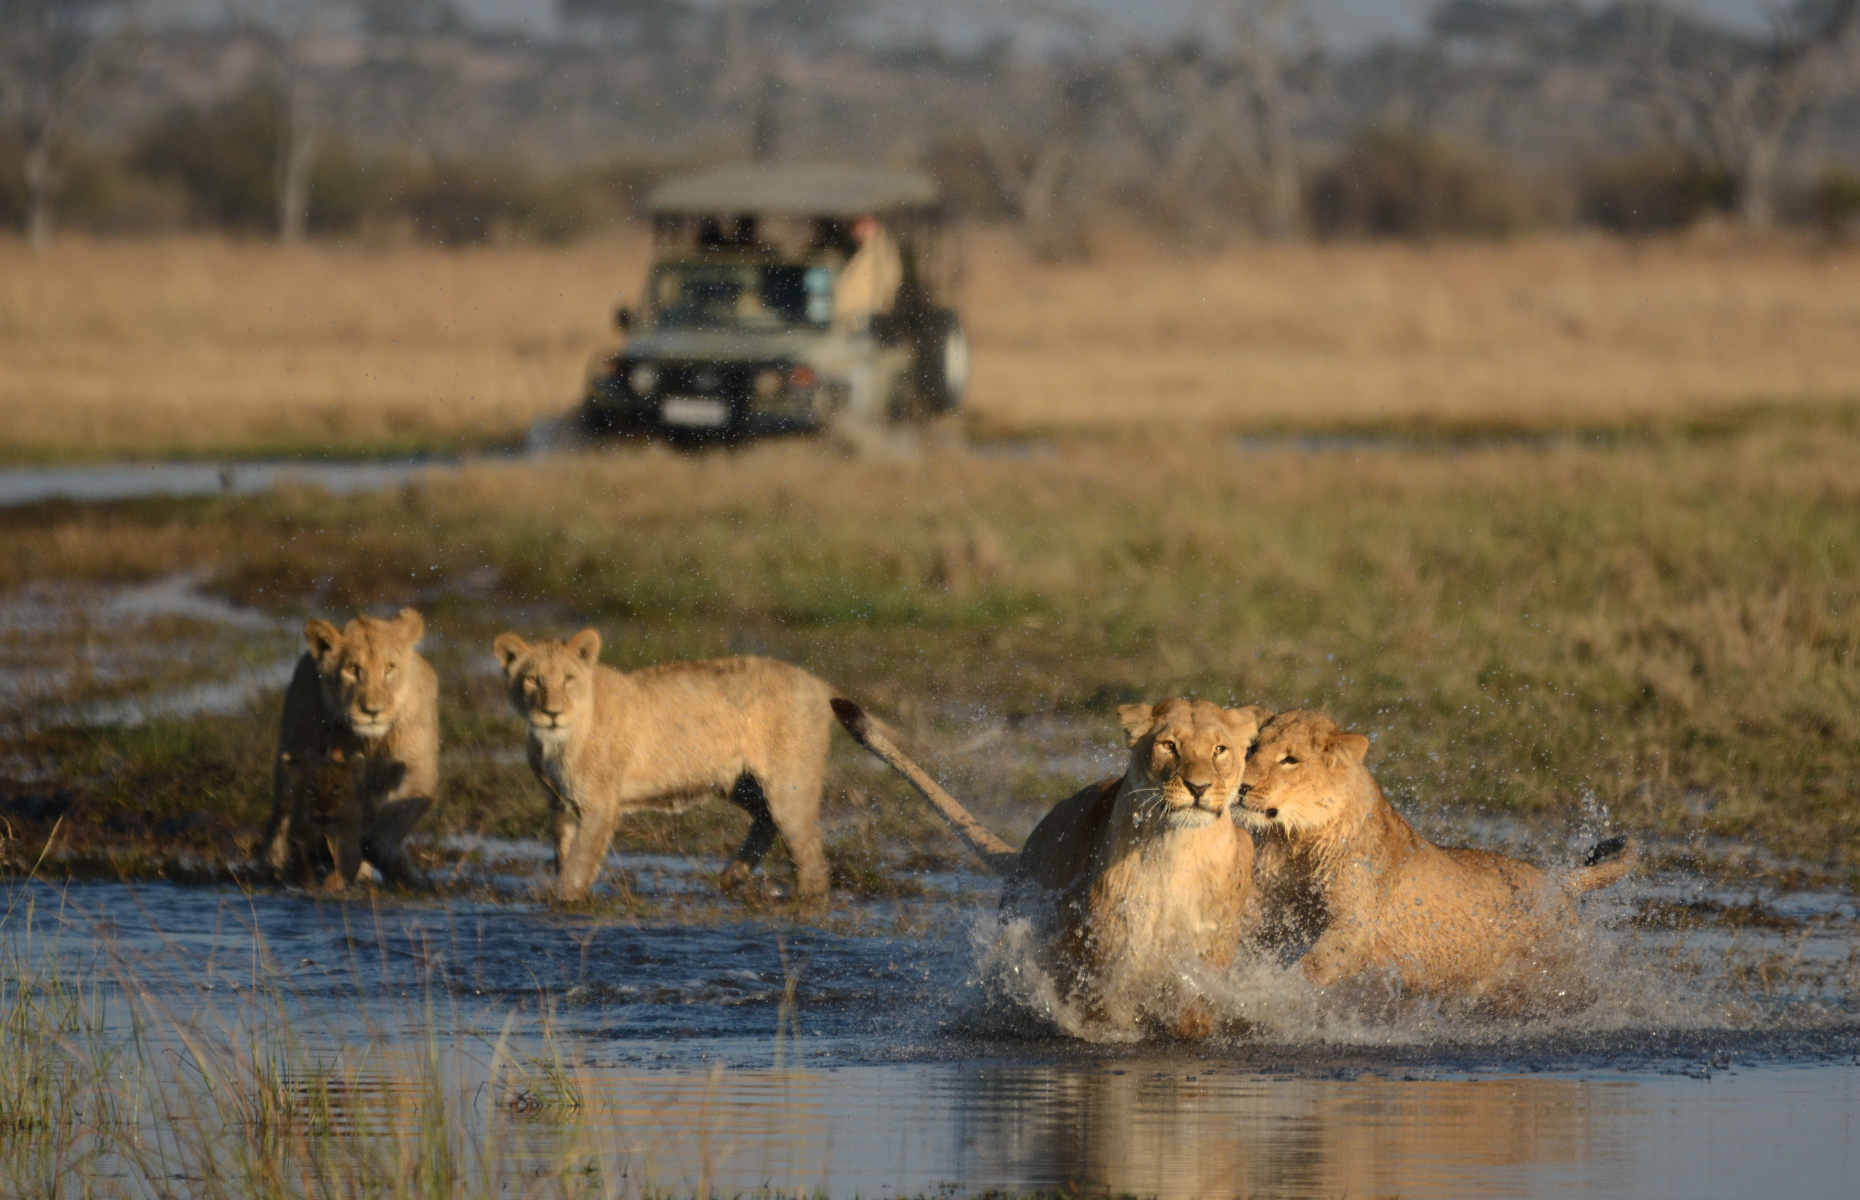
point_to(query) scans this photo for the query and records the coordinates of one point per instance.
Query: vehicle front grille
(728, 380)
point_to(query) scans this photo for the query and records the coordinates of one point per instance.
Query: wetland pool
(867, 1053)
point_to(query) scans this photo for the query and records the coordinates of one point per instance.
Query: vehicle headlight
(642, 378)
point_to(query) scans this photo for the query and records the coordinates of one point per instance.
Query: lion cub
(1133, 876)
(604, 743)
(1445, 922)
(358, 752)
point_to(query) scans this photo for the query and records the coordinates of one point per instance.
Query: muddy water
(735, 1054)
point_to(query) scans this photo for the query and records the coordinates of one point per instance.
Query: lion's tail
(1607, 861)
(874, 736)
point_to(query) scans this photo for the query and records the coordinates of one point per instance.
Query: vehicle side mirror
(623, 318)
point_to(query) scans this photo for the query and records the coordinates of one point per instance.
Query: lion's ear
(1246, 720)
(322, 638)
(509, 648)
(587, 644)
(1346, 749)
(412, 626)
(1137, 720)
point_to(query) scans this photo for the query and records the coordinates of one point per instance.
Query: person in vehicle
(868, 283)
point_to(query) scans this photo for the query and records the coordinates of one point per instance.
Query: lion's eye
(391, 668)
(1219, 750)
(351, 672)
(1167, 748)
(1290, 760)
(529, 684)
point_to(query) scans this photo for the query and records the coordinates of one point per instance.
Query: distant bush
(1834, 202)
(12, 181)
(99, 193)
(1651, 192)
(94, 191)
(1392, 183)
(223, 157)
(959, 164)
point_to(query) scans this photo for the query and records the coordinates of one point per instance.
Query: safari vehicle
(747, 324)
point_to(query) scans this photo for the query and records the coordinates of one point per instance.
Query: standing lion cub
(358, 752)
(1134, 877)
(1340, 862)
(604, 743)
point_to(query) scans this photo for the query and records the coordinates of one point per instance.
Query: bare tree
(288, 31)
(1256, 110)
(51, 51)
(1193, 118)
(1737, 100)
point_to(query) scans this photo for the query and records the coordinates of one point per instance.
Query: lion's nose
(1244, 789)
(1195, 789)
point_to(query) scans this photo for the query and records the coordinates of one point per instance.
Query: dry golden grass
(200, 346)
(1542, 333)
(203, 346)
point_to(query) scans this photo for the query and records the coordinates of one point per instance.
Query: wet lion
(604, 743)
(1134, 876)
(1339, 861)
(358, 752)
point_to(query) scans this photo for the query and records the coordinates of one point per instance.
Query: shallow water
(242, 477)
(139, 481)
(737, 1053)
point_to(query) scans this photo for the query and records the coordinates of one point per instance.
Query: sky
(1346, 24)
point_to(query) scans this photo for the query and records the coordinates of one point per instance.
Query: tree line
(364, 118)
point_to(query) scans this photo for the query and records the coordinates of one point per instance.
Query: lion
(604, 743)
(1133, 876)
(358, 752)
(1337, 861)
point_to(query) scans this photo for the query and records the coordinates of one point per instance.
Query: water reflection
(1197, 1130)
(1200, 1129)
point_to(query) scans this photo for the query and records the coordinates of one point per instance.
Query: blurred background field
(198, 346)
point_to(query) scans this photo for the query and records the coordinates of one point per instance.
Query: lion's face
(550, 683)
(364, 668)
(1302, 774)
(1187, 758)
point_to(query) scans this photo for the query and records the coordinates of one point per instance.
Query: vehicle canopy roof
(796, 190)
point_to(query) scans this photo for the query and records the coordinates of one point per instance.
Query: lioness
(604, 743)
(1133, 876)
(1379, 897)
(360, 730)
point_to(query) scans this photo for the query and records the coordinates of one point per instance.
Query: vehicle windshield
(747, 295)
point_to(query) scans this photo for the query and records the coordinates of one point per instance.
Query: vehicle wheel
(942, 364)
(599, 422)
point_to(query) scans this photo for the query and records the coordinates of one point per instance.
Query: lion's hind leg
(289, 782)
(747, 794)
(794, 804)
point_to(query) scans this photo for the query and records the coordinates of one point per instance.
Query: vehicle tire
(600, 422)
(942, 363)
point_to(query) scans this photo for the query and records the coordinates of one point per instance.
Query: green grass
(1668, 629)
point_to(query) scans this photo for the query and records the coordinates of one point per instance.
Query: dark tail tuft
(1607, 861)
(1604, 850)
(851, 716)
